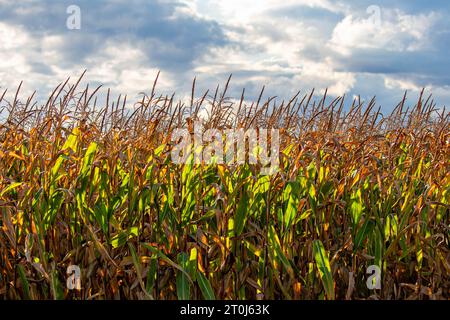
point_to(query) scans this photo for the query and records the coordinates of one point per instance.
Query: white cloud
(403, 84)
(122, 68)
(268, 51)
(244, 11)
(125, 69)
(12, 56)
(290, 45)
(394, 31)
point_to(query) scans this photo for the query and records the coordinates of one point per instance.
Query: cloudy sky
(365, 47)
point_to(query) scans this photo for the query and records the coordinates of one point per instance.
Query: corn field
(92, 184)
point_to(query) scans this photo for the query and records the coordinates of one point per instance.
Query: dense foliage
(94, 186)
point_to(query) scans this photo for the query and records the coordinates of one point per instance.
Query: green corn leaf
(183, 285)
(363, 232)
(274, 242)
(10, 187)
(205, 286)
(57, 291)
(378, 248)
(166, 259)
(241, 212)
(291, 193)
(323, 264)
(151, 275)
(88, 159)
(24, 282)
(356, 207)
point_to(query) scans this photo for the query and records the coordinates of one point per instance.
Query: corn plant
(94, 186)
